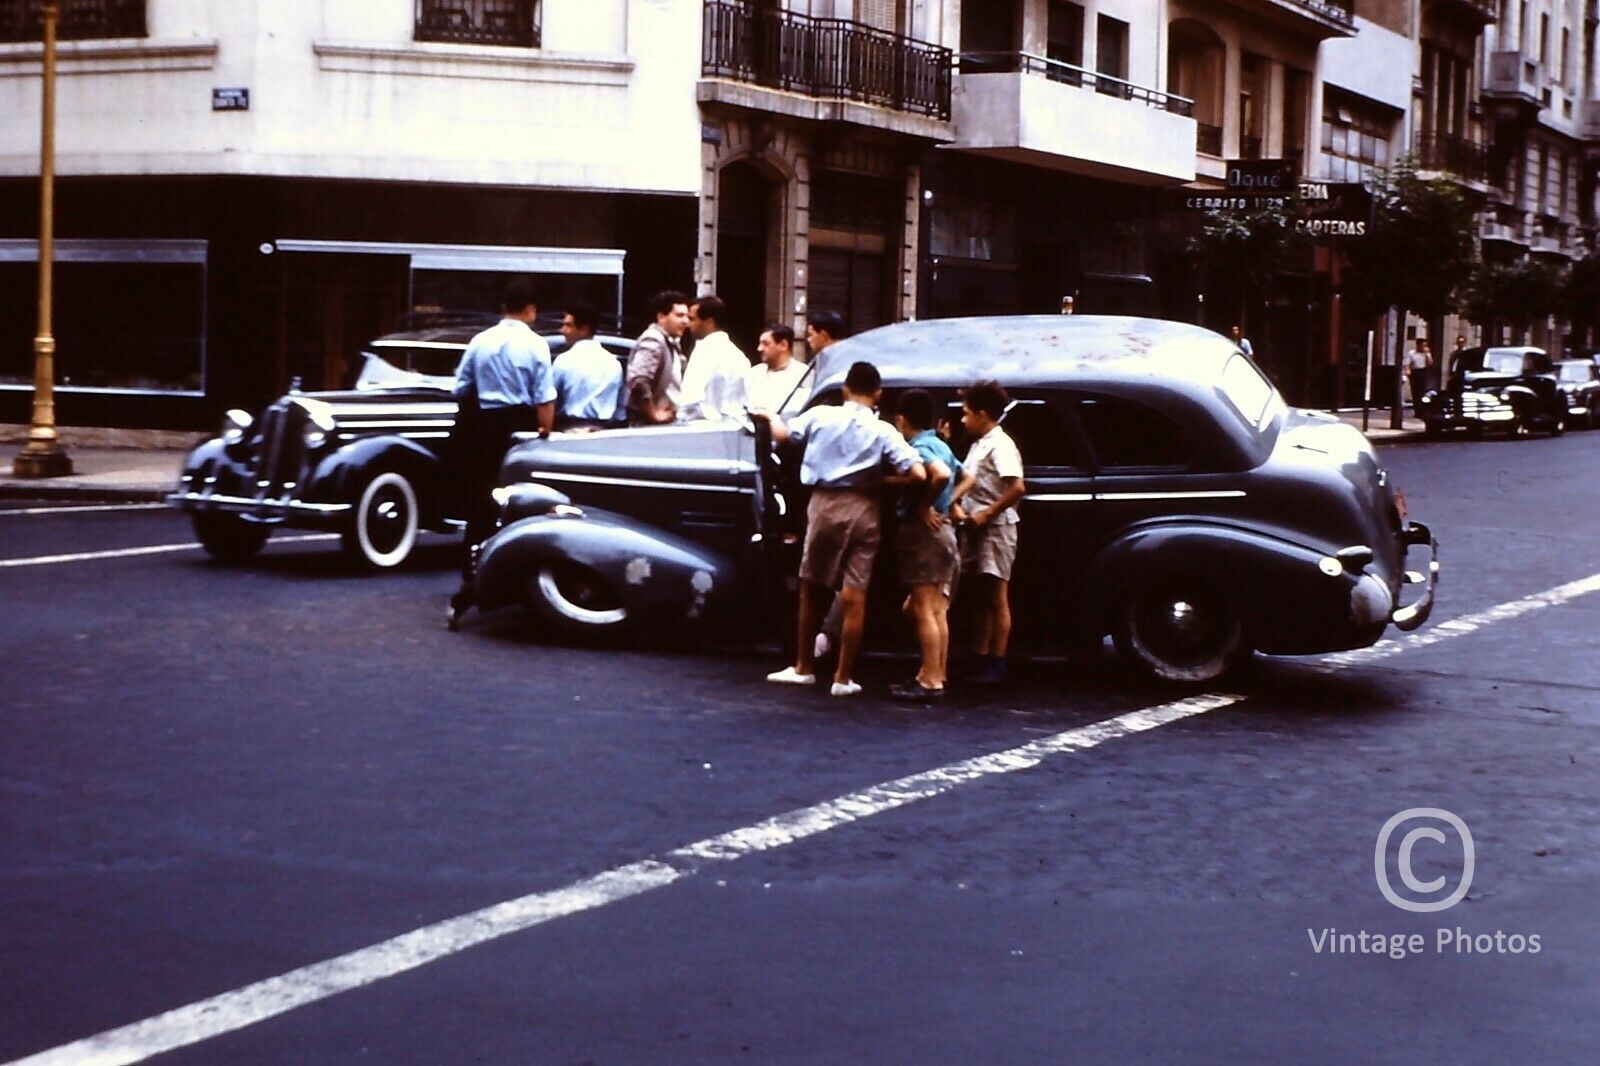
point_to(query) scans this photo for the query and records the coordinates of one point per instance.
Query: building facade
(247, 193)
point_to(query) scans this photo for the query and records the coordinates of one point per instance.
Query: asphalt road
(214, 781)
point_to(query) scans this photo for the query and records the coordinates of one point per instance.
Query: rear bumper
(1407, 617)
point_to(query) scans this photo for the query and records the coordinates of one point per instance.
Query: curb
(43, 490)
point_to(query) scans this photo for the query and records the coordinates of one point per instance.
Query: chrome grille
(276, 457)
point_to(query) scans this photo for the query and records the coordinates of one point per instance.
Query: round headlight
(235, 425)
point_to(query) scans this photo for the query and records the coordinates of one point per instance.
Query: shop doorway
(744, 208)
(331, 306)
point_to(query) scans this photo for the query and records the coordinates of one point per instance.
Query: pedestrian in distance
(1236, 335)
(985, 502)
(588, 378)
(713, 380)
(848, 452)
(775, 383)
(654, 379)
(1419, 369)
(503, 386)
(925, 546)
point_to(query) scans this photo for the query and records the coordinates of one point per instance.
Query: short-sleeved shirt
(931, 448)
(589, 380)
(507, 365)
(775, 390)
(713, 380)
(848, 446)
(992, 458)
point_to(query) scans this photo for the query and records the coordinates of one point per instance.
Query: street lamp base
(36, 460)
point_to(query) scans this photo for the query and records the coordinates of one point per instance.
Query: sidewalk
(111, 465)
(137, 465)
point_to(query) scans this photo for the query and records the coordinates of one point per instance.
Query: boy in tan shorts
(984, 502)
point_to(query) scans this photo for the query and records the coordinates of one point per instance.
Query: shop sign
(1266, 176)
(237, 99)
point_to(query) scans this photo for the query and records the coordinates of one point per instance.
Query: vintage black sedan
(1174, 501)
(1510, 389)
(367, 463)
(1579, 379)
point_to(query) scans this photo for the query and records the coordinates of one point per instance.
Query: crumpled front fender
(651, 570)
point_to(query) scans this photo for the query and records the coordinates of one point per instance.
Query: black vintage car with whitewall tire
(368, 463)
(1175, 503)
(1509, 389)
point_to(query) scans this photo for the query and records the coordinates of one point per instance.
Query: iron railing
(1339, 11)
(827, 58)
(1250, 146)
(506, 22)
(1055, 70)
(77, 20)
(1485, 10)
(1453, 155)
(1208, 138)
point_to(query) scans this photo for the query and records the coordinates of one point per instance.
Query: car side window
(1129, 437)
(1042, 436)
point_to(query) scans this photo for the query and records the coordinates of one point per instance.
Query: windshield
(1502, 362)
(1576, 371)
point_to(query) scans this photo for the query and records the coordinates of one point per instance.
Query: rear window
(1248, 391)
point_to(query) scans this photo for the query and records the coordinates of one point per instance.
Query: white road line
(1467, 623)
(231, 1011)
(150, 549)
(245, 1006)
(81, 509)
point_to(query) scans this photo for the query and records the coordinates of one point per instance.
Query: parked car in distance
(367, 463)
(1512, 389)
(1174, 501)
(1579, 379)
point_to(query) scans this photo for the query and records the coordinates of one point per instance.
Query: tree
(1421, 248)
(1419, 253)
(1521, 292)
(1239, 252)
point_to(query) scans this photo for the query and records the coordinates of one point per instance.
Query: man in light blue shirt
(503, 386)
(588, 378)
(849, 452)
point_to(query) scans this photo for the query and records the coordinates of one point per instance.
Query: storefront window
(123, 319)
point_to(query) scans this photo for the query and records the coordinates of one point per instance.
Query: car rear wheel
(229, 538)
(1181, 630)
(574, 601)
(384, 528)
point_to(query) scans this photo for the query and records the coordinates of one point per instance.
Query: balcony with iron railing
(821, 58)
(1482, 12)
(76, 20)
(1321, 18)
(1044, 112)
(1452, 155)
(511, 23)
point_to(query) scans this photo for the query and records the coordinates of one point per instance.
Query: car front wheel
(1180, 630)
(384, 528)
(229, 538)
(576, 602)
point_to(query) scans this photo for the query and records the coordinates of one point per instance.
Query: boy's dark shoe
(991, 672)
(913, 692)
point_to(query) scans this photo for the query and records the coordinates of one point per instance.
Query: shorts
(990, 549)
(842, 534)
(926, 558)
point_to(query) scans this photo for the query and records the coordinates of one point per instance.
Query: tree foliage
(1238, 253)
(1420, 251)
(1521, 292)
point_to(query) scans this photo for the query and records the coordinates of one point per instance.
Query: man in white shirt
(713, 382)
(588, 378)
(777, 382)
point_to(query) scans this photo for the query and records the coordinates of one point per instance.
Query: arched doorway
(743, 210)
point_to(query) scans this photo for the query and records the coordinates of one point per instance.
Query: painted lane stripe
(1467, 623)
(266, 999)
(82, 509)
(151, 549)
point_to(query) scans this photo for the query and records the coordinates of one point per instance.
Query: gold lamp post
(43, 455)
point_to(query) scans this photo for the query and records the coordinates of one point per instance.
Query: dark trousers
(480, 441)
